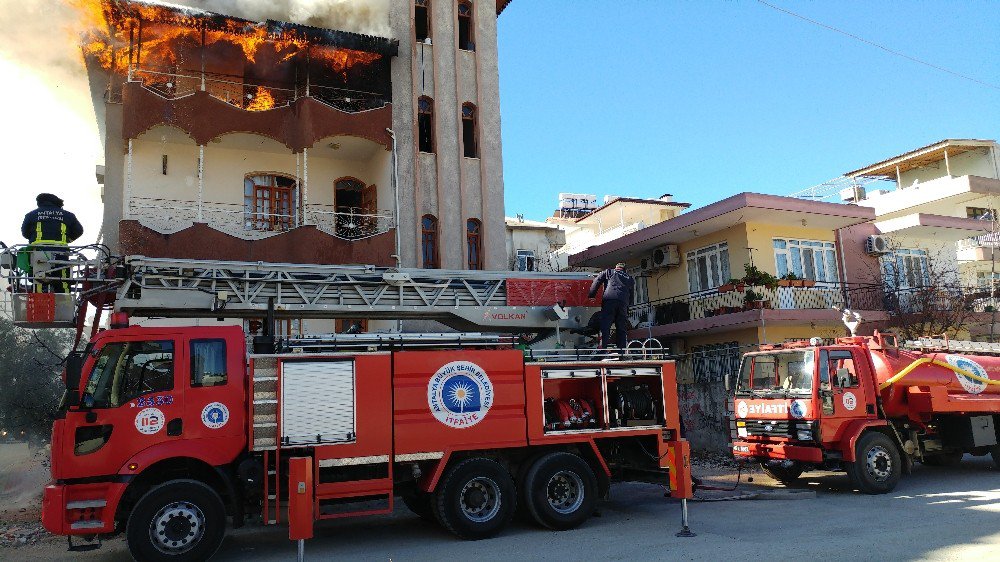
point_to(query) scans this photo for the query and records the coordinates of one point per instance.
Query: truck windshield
(782, 373)
(125, 370)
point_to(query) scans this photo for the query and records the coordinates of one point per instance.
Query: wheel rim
(177, 528)
(564, 492)
(480, 499)
(879, 463)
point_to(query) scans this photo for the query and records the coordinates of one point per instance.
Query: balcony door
(269, 202)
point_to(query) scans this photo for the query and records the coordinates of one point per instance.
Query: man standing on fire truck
(49, 230)
(618, 286)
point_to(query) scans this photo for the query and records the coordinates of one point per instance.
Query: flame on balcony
(116, 38)
(262, 100)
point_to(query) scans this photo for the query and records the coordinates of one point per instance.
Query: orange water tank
(891, 362)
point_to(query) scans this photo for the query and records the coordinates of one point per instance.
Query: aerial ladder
(553, 308)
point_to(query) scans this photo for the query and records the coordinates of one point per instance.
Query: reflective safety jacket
(51, 225)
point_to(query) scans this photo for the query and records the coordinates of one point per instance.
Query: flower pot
(785, 283)
(726, 288)
(808, 283)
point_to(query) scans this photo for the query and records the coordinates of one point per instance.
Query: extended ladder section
(494, 301)
(50, 288)
(955, 346)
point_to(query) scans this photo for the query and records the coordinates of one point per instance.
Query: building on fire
(241, 140)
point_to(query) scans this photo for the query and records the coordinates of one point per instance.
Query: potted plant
(808, 283)
(788, 280)
(756, 277)
(731, 285)
(753, 300)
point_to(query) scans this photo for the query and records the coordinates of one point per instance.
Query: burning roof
(115, 23)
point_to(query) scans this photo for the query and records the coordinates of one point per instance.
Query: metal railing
(167, 216)
(908, 300)
(250, 96)
(350, 223)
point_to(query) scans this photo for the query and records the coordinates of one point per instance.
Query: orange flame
(262, 100)
(121, 35)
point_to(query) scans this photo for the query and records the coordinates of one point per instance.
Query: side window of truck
(842, 369)
(145, 367)
(208, 363)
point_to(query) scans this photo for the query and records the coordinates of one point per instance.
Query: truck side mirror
(74, 370)
(843, 378)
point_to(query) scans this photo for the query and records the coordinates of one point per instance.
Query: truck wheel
(177, 520)
(420, 504)
(560, 491)
(944, 459)
(878, 467)
(475, 499)
(785, 472)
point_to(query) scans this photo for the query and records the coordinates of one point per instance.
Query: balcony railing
(899, 301)
(249, 96)
(167, 216)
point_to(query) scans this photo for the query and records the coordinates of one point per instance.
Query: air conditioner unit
(876, 245)
(646, 264)
(666, 256)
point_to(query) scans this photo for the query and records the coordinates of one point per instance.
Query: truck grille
(768, 428)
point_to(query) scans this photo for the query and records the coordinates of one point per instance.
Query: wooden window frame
(430, 118)
(474, 238)
(262, 207)
(470, 43)
(429, 237)
(474, 119)
(426, 5)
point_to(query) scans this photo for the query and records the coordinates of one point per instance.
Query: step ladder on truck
(168, 431)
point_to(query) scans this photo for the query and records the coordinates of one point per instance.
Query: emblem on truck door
(214, 415)
(149, 421)
(460, 394)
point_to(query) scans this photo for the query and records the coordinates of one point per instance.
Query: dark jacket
(52, 216)
(617, 284)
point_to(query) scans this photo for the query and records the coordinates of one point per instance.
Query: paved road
(935, 513)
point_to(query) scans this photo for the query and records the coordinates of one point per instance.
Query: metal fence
(908, 300)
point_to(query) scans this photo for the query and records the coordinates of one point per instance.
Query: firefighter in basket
(49, 230)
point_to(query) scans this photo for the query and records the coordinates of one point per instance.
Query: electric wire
(879, 46)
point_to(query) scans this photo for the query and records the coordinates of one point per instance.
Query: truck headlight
(804, 435)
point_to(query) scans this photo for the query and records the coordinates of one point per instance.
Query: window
(422, 20)
(983, 278)
(208, 363)
(469, 130)
(351, 326)
(356, 205)
(708, 267)
(640, 293)
(429, 241)
(905, 269)
(525, 260)
(474, 237)
(425, 124)
(269, 202)
(126, 370)
(980, 212)
(807, 259)
(466, 40)
(841, 368)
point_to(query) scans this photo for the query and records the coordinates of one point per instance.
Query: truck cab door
(843, 396)
(129, 400)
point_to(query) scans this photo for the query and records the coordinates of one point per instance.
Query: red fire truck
(168, 432)
(867, 406)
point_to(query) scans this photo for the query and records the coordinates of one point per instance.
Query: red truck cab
(799, 407)
(147, 403)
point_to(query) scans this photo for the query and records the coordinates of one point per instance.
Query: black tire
(878, 467)
(944, 459)
(560, 491)
(785, 472)
(187, 510)
(475, 499)
(995, 453)
(420, 504)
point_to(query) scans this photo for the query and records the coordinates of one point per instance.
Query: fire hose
(926, 360)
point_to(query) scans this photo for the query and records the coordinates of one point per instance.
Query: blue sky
(707, 99)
